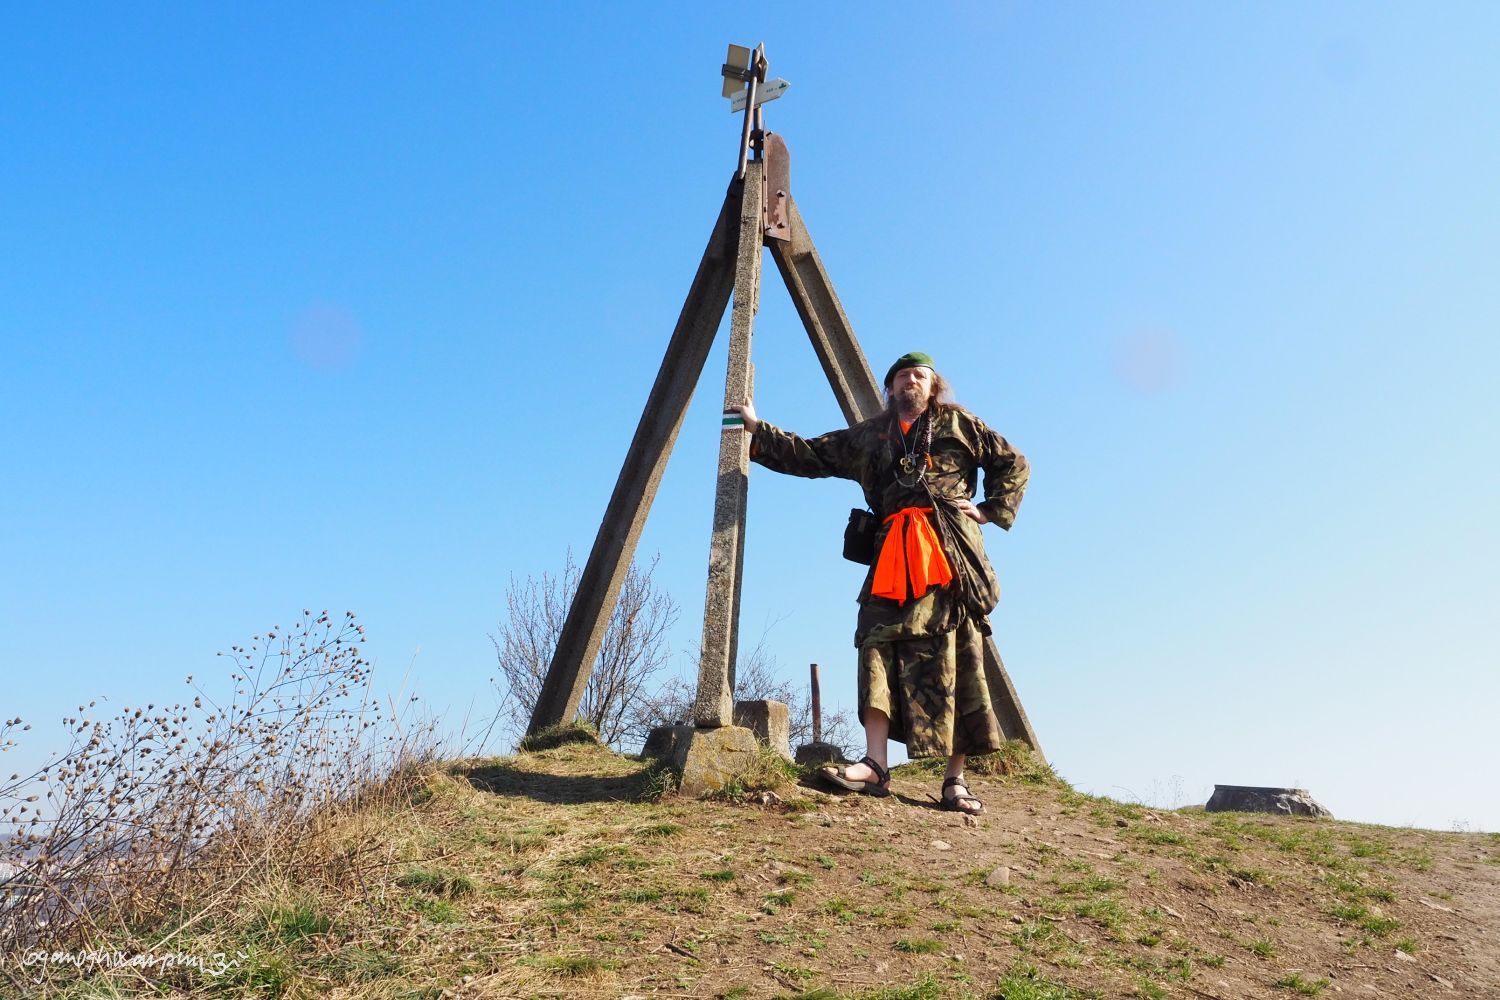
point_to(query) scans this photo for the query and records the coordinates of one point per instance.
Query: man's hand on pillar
(746, 410)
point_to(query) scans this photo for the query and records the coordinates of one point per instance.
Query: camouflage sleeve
(814, 458)
(1006, 472)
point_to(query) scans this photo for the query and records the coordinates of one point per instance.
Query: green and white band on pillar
(733, 421)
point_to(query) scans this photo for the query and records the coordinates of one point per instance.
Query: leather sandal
(840, 776)
(950, 803)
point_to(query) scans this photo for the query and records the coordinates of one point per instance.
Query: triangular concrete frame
(758, 211)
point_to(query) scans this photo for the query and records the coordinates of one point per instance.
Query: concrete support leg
(721, 610)
(1008, 711)
(828, 327)
(614, 546)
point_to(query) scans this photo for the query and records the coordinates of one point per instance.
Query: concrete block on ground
(818, 753)
(662, 741)
(769, 721)
(710, 758)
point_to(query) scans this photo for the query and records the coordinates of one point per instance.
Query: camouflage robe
(922, 662)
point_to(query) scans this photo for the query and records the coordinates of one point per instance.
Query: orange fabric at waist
(912, 554)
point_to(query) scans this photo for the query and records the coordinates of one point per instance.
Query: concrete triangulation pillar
(721, 608)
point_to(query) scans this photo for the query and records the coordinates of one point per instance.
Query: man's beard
(912, 400)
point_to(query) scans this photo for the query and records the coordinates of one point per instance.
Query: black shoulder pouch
(859, 536)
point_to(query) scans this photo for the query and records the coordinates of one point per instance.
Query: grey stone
(769, 721)
(1000, 876)
(819, 753)
(1252, 798)
(710, 758)
(662, 741)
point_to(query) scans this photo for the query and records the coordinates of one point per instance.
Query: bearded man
(924, 606)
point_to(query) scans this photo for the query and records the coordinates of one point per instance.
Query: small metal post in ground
(817, 707)
(818, 752)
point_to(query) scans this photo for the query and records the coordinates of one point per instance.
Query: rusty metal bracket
(776, 218)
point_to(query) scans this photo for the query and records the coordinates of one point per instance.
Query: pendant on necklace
(907, 464)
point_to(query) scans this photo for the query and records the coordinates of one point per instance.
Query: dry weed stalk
(162, 813)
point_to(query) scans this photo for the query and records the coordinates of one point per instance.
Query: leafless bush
(634, 650)
(167, 809)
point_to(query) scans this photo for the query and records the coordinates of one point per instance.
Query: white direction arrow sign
(768, 91)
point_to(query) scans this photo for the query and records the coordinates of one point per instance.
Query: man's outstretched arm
(782, 451)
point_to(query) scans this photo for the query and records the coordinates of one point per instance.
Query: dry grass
(158, 821)
(546, 874)
(554, 873)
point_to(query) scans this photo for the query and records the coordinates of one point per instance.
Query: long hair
(940, 402)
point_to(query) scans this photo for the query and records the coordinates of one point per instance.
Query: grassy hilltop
(566, 872)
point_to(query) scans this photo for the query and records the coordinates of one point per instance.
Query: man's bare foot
(867, 776)
(956, 797)
(861, 772)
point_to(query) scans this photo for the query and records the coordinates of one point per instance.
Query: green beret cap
(915, 359)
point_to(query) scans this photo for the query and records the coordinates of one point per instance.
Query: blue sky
(356, 307)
